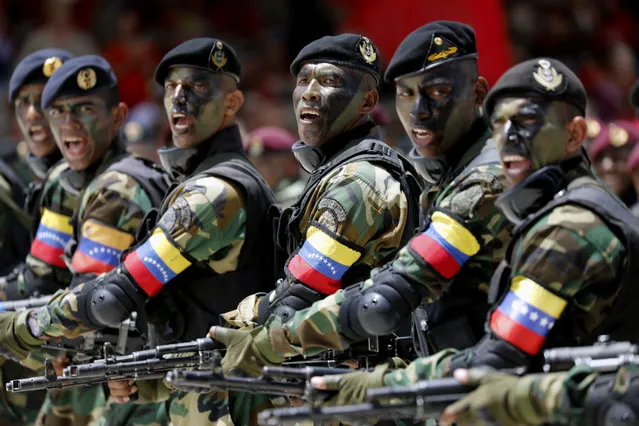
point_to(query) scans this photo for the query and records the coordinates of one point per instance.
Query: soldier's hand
(246, 350)
(60, 362)
(16, 341)
(494, 402)
(351, 388)
(122, 390)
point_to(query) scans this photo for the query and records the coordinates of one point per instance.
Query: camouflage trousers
(216, 408)
(76, 406)
(131, 414)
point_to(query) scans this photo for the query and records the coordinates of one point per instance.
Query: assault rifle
(427, 399)
(275, 381)
(101, 344)
(140, 365)
(21, 305)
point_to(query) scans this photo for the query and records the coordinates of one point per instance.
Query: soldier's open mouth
(515, 164)
(75, 146)
(308, 115)
(181, 123)
(422, 136)
(37, 133)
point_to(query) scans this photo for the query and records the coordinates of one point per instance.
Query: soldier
(114, 189)
(269, 148)
(609, 152)
(569, 267)
(212, 232)
(439, 94)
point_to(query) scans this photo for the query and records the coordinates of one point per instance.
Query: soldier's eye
(404, 92)
(55, 112)
(199, 87)
(87, 109)
(301, 81)
(169, 86)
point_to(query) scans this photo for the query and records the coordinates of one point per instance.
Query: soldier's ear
(480, 88)
(577, 131)
(234, 101)
(118, 116)
(371, 98)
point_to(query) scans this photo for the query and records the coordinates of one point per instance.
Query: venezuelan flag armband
(526, 314)
(155, 262)
(322, 261)
(54, 232)
(446, 245)
(99, 248)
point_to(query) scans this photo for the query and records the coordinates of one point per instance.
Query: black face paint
(437, 107)
(194, 103)
(327, 101)
(529, 134)
(32, 120)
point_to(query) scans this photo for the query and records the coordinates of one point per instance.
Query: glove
(353, 387)
(500, 399)
(246, 350)
(16, 341)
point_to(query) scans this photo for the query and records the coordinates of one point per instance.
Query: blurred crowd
(596, 38)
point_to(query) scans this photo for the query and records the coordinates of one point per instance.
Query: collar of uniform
(182, 162)
(440, 169)
(40, 166)
(312, 158)
(75, 181)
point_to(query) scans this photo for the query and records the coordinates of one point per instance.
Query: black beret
(210, 53)
(36, 68)
(80, 76)
(431, 45)
(544, 78)
(634, 95)
(347, 50)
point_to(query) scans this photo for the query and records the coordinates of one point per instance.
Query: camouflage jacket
(110, 209)
(565, 274)
(203, 221)
(468, 218)
(355, 216)
(44, 268)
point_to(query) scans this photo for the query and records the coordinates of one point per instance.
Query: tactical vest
(455, 320)
(620, 321)
(18, 237)
(287, 234)
(192, 302)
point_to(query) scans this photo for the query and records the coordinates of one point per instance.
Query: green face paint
(194, 103)
(32, 120)
(530, 134)
(327, 100)
(83, 129)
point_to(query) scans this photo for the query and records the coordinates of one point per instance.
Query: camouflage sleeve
(205, 222)
(569, 262)
(44, 270)
(466, 228)
(358, 215)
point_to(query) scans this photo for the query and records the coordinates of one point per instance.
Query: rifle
(101, 344)
(24, 304)
(275, 381)
(140, 365)
(426, 399)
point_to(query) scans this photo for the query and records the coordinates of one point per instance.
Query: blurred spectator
(59, 31)
(269, 148)
(610, 151)
(133, 59)
(143, 130)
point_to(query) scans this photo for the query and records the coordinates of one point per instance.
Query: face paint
(327, 101)
(194, 103)
(32, 120)
(437, 107)
(83, 129)
(530, 134)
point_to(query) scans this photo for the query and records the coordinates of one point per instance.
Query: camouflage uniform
(469, 193)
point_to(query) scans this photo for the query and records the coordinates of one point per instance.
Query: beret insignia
(218, 58)
(87, 79)
(50, 65)
(547, 76)
(367, 50)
